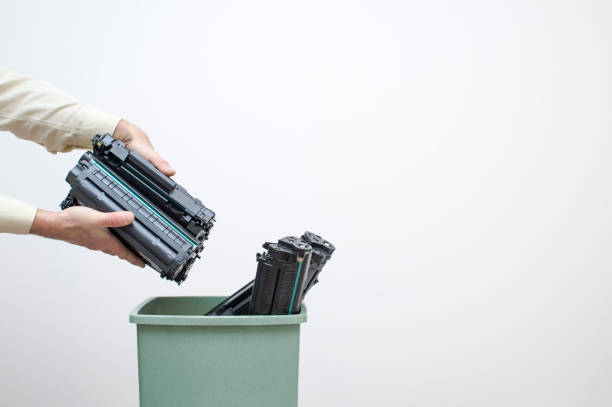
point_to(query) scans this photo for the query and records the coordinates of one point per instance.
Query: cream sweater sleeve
(34, 110)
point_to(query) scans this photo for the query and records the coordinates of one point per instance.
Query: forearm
(34, 110)
(85, 227)
(45, 223)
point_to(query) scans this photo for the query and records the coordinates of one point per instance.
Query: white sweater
(34, 110)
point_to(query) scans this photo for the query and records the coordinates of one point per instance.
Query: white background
(457, 154)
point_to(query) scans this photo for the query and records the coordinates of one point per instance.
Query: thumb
(162, 165)
(154, 158)
(116, 219)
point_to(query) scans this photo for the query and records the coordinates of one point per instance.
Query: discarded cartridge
(238, 303)
(281, 272)
(321, 253)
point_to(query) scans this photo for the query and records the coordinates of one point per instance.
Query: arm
(34, 110)
(88, 228)
(78, 225)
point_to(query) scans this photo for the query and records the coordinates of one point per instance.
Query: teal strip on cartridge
(299, 272)
(161, 217)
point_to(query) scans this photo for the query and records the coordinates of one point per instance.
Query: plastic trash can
(186, 359)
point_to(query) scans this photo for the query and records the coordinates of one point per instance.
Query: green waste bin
(186, 359)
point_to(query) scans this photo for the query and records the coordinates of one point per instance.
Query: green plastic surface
(186, 359)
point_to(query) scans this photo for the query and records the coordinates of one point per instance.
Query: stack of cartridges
(285, 273)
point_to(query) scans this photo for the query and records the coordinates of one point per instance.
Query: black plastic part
(169, 226)
(235, 304)
(276, 267)
(68, 202)
(322, 251)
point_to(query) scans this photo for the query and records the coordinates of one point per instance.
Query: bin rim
(203, 320)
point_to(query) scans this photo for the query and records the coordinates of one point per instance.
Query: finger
(115, 219)
(149, 153)
(161, 164)
(114, 246)
(164, 167)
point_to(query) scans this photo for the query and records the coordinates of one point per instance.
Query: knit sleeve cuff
(16, 216)
(94, 121)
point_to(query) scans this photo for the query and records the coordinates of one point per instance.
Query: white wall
(457, 154)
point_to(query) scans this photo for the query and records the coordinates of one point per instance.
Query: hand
(136, 139)
(88, 228)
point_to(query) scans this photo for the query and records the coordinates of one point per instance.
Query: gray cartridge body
(169, 226)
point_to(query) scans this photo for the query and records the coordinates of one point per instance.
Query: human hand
(88, 228)
(137, 140)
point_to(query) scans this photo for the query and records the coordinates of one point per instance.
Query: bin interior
(195, 306)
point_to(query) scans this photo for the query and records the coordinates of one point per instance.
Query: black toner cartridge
(321, 252)
(280, 288)
(169, 226)
(281, 272)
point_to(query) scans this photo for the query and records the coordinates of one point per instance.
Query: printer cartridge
(281, 272)
(321, 252)
(169, 226)
(239, 302)
(236, 304)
